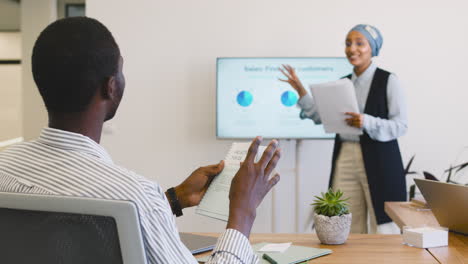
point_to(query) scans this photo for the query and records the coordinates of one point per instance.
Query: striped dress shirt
(65, 163)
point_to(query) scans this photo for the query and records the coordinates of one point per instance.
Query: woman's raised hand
(292, 79)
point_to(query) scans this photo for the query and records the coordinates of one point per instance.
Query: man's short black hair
(71, 59)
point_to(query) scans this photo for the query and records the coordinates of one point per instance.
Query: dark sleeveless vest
(382, 160)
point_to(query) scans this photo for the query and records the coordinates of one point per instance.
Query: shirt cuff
(369, 123)
(235, 243)
(305, 102)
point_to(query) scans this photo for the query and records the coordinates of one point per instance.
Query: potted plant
(332, 218)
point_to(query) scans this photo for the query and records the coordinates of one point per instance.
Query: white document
(277, 247)
(333, 100)
(215, 202)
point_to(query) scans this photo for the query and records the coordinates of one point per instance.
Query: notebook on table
(293, 255)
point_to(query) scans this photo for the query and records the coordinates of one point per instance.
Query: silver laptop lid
(198, 244)
(448, 202)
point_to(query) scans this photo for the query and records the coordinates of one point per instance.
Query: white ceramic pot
(332, 230)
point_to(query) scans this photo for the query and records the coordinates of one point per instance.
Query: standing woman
(367, 168)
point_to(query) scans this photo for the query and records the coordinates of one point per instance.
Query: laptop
(448, 202)
(198, 244)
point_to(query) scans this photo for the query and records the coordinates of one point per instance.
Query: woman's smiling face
(358, 50)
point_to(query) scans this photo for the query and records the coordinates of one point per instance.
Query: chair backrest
(61, 229)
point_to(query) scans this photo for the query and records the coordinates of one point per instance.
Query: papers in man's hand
(333, 100)
(278, 247)
(215, 202)
(238, 152)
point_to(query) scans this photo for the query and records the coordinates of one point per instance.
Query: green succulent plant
(331, 204)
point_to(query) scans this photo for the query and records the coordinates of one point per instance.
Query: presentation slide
(251, 101)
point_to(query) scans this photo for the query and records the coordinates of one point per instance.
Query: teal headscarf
(372, 35)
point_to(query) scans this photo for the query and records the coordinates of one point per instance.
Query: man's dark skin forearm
(241, 221)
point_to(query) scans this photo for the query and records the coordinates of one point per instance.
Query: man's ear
(108, 89)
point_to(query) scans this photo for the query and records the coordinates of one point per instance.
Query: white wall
(35, 16)
(10, 45)
(165, 127)
(10, 86)
(10, 101)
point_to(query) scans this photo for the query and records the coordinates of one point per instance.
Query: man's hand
(190, 192)
(355, 119)
(250, 185)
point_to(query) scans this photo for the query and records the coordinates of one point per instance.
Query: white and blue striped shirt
(65, 163)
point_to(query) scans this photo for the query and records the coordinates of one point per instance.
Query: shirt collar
(72, 141)
(367, 75)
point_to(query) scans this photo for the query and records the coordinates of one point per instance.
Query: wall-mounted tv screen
(251, 101)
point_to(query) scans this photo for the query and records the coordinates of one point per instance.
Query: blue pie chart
(289, 98)
(244, 98)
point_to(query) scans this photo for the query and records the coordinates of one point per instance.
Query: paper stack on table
(425, 237)
(275, 247)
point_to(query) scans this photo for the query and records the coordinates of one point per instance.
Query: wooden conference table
(409, 214)
(363, 249)
(358, 248)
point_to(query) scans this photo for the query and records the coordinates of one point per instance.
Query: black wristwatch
(174, 202)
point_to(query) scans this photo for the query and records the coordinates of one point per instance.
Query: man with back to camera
(77, 67)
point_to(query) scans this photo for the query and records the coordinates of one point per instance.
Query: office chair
(70, 230)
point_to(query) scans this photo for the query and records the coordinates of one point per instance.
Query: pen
(269, 259)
